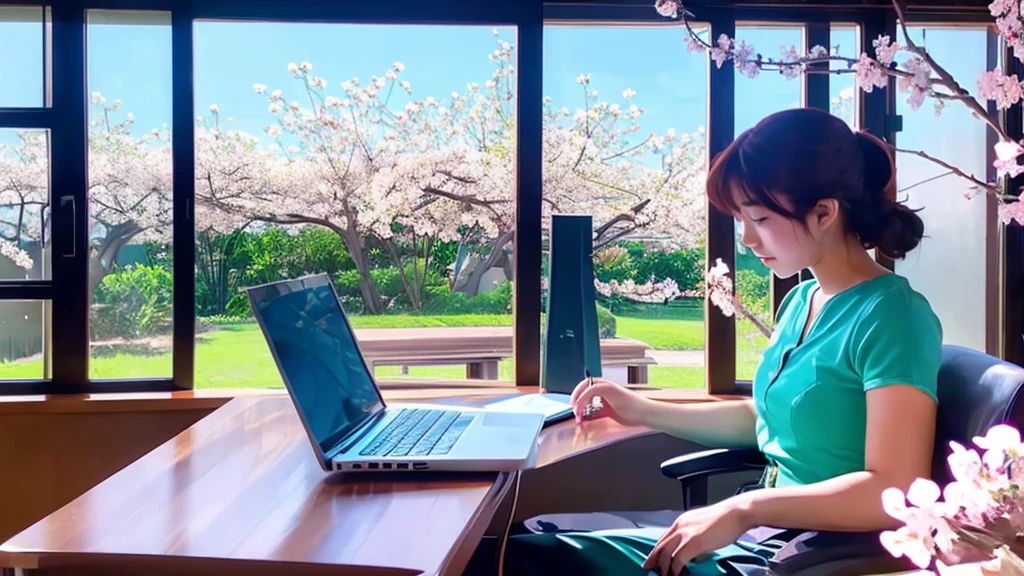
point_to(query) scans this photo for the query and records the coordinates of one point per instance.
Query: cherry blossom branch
(952, 170)
(719, 289)
(947, 78)
(921, 75)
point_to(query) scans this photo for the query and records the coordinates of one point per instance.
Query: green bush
(686, 266)
(439, 300)
(238, 307)
(134, 302)
(642, 262)
(754, 291)
(606, 326)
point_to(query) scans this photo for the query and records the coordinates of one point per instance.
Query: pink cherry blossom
(1006, 159)
(869, 74)
(1011, 211)
(1000, 437)
(667, 8)
(1004, 90)
(905, 542)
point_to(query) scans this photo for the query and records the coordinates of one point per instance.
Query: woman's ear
(825, 214)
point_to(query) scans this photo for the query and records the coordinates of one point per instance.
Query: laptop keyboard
(419, 432)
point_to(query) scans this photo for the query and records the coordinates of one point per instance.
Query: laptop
(349, 425)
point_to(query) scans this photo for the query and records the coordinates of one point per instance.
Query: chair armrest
(711, 462)
(692, 470)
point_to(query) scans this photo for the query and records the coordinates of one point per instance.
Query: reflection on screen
(318, 356)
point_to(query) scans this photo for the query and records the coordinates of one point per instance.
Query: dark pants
(612, 544)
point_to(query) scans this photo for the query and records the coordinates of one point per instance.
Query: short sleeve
(899, 341)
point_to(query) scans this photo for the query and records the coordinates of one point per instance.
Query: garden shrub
(133, 302)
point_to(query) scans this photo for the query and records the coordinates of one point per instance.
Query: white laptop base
(490, 441)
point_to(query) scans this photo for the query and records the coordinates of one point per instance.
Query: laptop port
(373, 465)
(419, 466)
(402, 466)
(386, 465)
(357, 466)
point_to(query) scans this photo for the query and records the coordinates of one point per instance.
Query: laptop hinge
(354, 436)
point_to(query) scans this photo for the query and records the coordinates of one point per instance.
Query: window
(130, 217)
(24, 35)
(26, 158)
(24, 204)
(25, 252)
(391, 169)
(959, 232)
(756, 98)
(844, 39)
(418, 164)
(624, 142)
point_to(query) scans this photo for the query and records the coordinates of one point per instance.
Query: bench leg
(482, 370)
(636, 374)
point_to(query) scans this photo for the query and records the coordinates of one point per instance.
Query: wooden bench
(481, 348)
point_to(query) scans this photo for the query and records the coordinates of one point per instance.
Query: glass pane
(383, 156)
(130, 213)
(950, 266)
(620, 129)
(24, 204)
(23, 327)
(22, 42)
(844, 39)
(756, 98)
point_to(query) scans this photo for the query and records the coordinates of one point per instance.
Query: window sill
(394, 389)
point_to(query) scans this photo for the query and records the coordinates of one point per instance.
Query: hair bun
(885, 224)
(879, 166)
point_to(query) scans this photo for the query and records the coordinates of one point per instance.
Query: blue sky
(133, 63)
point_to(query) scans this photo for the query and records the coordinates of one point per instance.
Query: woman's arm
(721, 424)
(898, 449)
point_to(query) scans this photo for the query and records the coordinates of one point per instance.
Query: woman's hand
(617, 402)
(696, 532)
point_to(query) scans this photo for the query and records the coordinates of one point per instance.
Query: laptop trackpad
(504, 419)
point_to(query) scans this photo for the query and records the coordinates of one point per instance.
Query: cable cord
(508, 525)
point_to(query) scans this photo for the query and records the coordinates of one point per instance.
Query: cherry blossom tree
(917, 74)
(360, 169)
(382, 174)
(24, 194)
(129, 188)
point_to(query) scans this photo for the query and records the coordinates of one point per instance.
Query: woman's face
(782, 244)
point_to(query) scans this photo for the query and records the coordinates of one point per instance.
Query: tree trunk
(472, 286)
(372, 303)
(103, 259)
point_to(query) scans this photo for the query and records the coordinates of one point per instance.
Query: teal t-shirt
(811, 396)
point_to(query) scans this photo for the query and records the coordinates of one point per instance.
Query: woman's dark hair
(807, 155)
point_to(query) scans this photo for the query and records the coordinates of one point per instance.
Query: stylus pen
(586, 372)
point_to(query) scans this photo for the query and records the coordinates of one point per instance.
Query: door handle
(65, 200)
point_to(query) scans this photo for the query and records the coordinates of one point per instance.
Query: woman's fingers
(660, 557)
(585, 399)
(579, 389)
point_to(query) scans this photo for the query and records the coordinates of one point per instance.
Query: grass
(235, 354)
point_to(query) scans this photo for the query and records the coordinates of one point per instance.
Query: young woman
(844, 399)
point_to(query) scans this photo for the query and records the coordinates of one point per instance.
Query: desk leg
(636, 374)
(482, 370)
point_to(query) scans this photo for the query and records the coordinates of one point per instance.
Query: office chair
(976, 391)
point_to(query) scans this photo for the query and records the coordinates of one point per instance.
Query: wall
(48, 459)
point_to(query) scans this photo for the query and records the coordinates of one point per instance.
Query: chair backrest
(976, 391)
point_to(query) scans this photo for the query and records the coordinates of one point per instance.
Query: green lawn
(236, 355)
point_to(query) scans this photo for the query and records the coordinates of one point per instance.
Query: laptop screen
(318, 356)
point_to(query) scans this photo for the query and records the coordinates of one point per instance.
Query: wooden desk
(240, 491)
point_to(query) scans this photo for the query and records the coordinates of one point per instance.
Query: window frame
(66, 117)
